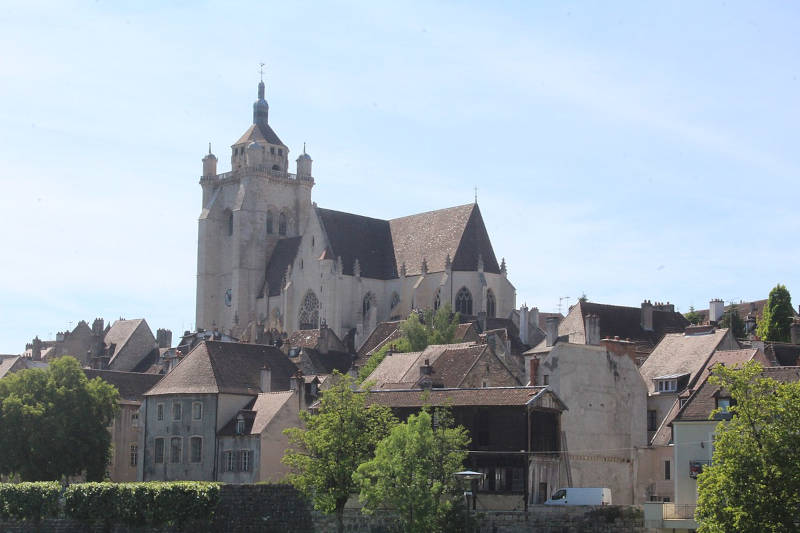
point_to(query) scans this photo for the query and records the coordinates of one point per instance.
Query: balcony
(696, 468)
(669, 516)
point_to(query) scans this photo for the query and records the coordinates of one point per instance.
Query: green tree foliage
(412, 471)
(435, 328)
(776, 319)
(54, 423)
(693, 316)
(731, 319)
(753, 485)
(339, 436)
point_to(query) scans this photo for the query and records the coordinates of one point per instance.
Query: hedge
(29, 501)
(138, 504)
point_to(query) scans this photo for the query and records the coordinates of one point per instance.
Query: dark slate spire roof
(260, 130)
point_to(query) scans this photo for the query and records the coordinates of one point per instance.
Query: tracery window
(464, 301)
(309, 311)
(282, 224)
(491, 304)
(437, 299)
(270, 229)
(366, 304)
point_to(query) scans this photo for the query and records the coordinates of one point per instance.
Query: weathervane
(476, 194)
(261, 70)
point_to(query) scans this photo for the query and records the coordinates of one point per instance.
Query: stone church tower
(245, 212)
(269, 260)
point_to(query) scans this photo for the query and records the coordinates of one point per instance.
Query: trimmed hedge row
(133, 504)
(29, 501)
(138, 504)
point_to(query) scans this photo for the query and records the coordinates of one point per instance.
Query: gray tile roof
(226, 367)
(131, 385)
(488, 396)
(282, 256)
(354, 237)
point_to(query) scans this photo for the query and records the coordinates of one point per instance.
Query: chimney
(266, 378)
(533, 369)
(647, 315)
(715, 309)
(592, 329)
(324, 337)
(426, 369)
(36, 349)
(794, 331)
(749, 324)
(523, 324)
(297, 382)
(164, 338)
(619, 346)
(552, 330)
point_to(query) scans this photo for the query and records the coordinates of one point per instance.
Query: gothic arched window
(367, 303)
(230, 221)
(309, 312)
(464, 301)
(491, 304)
(282, 224)
(270, 229)
(437, 299)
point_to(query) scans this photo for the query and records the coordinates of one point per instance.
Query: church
(270, 260)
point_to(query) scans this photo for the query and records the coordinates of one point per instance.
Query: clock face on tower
(228, 297)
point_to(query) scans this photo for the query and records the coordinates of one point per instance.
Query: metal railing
(678, 511)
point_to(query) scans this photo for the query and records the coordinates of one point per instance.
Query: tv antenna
(561, 299)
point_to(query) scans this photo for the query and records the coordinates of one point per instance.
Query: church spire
(261, 107)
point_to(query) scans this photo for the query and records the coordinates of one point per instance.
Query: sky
(621, 150)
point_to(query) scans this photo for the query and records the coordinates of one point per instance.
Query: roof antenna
(262, 70)
(476, 194)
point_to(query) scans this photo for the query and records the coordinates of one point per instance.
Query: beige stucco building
(269, 256)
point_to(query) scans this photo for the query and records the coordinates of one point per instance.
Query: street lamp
(466, 477)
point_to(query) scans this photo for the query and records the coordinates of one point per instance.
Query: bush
(137, 504)
(29, 501)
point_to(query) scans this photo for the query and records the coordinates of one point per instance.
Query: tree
(412, 471)
(339, 436)
(54, 423)
(776, 320)
(693, 316)
(753, 484)
(434, 328)
(731, 319)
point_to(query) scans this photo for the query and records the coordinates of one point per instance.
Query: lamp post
(467, 476)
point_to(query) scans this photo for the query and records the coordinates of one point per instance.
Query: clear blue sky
(629, 150)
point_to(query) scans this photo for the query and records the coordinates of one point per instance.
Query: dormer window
(670, 383)
(272, 150)
(724, 404)
(667, 385)
(240, 425)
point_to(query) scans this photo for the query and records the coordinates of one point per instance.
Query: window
(240, 425)
(160, 411)
(197, 411)
(159, 453)
(309, 311)
(177, 410)
(230, 223)
(464, 301)
(724, 404)
(437, 299)
(135, 419)
(228, 462)
(272, 150)
(196, 449)
(269, 223)
(395, 300)
(244, 461)
(134, 454)
(280, 151)
(491, 306)
(366, 304)
(683, 401)
(282, 224)
(667, 472)
(667, 385)
(175, 449)
(652, 420)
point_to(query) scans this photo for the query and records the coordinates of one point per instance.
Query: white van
(580, 496)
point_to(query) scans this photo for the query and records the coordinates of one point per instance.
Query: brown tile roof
(393, 368)
(259, 413)
(623, 322)
(458, 397)
(131, 385)
(354, 237)
(282, 256)
(704, 400)
(226, 367)
(260, 132)
(678, 353)
(451, 367)
(783, 353)
(431, 353)
(755, 308)
(304, 338)
(456, 231)
(313, 361)
(7, 364)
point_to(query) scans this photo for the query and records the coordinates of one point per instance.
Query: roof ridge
(435, 211)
